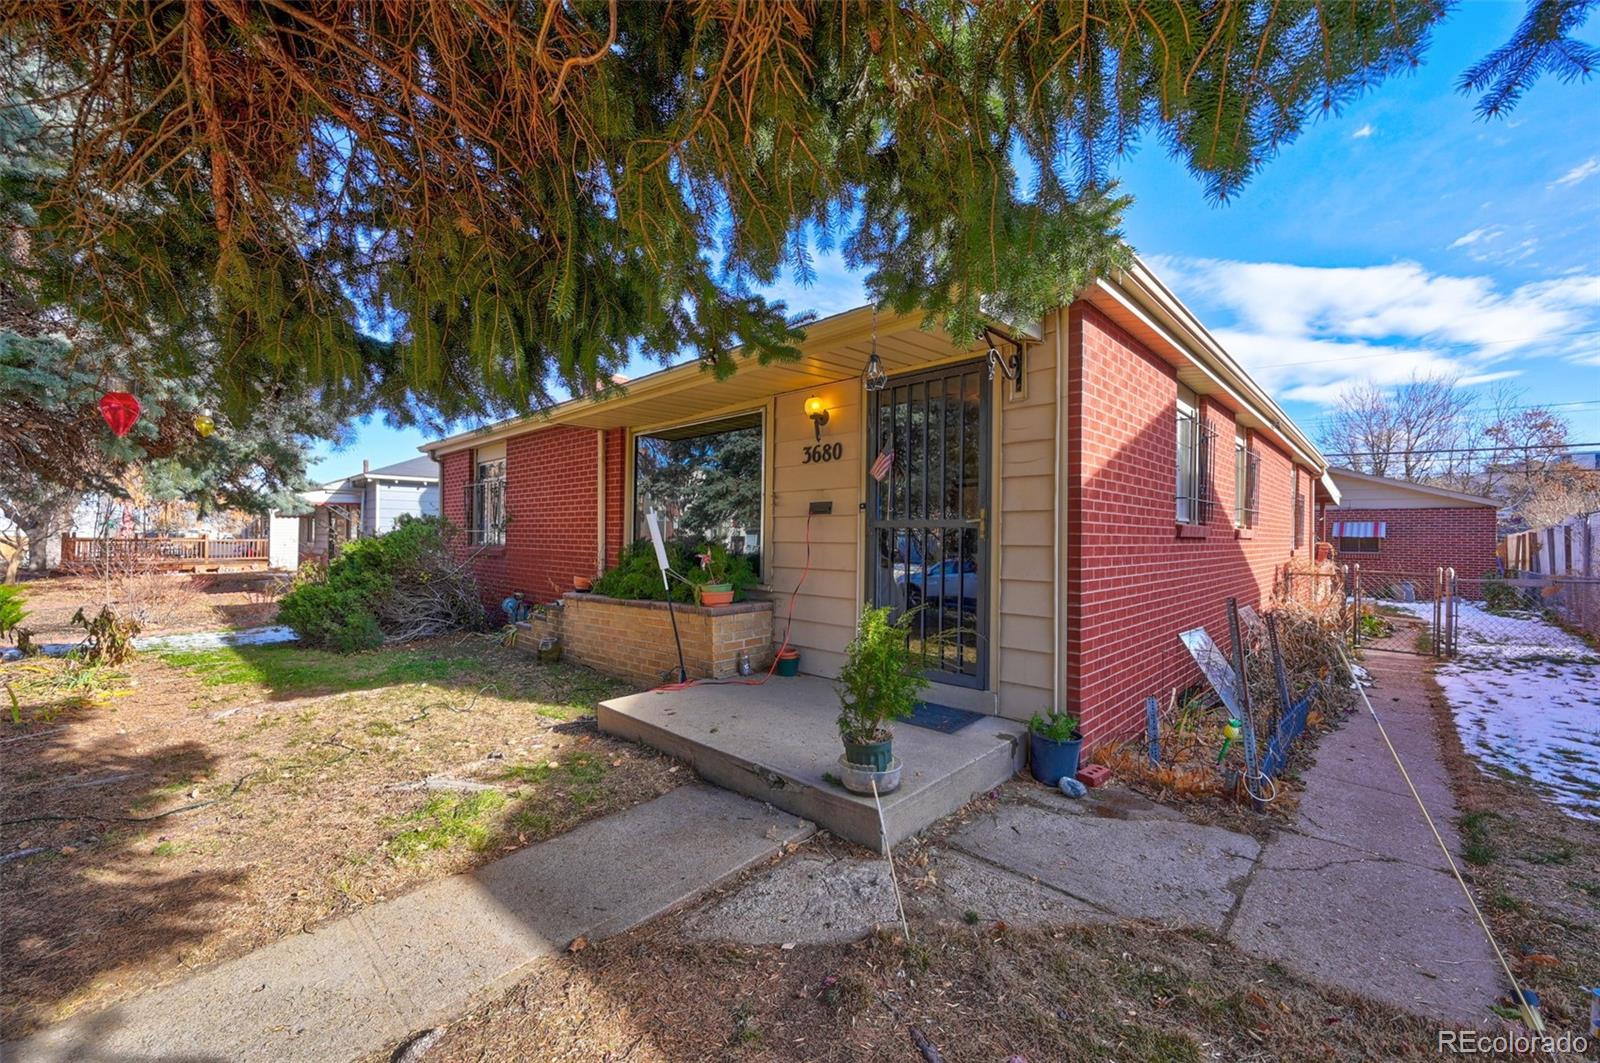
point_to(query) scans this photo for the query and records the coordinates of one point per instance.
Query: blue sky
(1404, 235)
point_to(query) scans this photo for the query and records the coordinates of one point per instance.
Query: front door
(927, 515)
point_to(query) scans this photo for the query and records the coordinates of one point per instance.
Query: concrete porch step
(775, 742)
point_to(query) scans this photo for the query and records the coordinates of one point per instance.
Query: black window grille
(1196, 439)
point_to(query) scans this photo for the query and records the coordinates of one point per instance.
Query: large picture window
(704, 481)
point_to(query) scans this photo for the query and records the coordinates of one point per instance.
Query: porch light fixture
(817, 410)
(872, 374)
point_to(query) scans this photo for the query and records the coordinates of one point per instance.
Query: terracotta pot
(582, 583)
(711, 597)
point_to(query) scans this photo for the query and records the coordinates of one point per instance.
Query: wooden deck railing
(79, 552)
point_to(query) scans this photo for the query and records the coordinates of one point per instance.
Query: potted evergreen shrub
(1053, 746)
(878, 684)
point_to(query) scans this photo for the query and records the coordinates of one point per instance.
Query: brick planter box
(633, 640)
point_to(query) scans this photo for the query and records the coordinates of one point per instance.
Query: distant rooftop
(420, 468)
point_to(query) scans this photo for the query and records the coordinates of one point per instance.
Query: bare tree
(1562, 491)
(1417, 431)
(1529, 443)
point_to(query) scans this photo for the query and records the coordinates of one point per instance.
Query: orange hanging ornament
(121, 411)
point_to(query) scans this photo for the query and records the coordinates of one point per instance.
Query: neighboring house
(1401, 528)
(367, 503)
(1063, 528)
(1585, 459)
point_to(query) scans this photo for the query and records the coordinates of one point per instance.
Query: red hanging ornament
(121, 411)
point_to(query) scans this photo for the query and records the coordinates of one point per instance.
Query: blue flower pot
(1053, 761)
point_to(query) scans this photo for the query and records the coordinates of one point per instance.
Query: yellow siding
(1024, 628)
(1023, 613)
(826, 608)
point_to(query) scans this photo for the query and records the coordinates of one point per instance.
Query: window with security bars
(1250, 499)
(1195, 440)
(486, 504)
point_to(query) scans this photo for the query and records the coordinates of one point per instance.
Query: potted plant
(878, 684)
(1053, 746)
(716, 567)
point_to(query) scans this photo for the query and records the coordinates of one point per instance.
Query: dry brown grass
(285, 774)
(169, 602)
(1128, 993)
(1536, 872)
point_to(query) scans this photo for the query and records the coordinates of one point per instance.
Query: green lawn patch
(1477, 837)
(578, 775)
(446, 821)
(297, 670)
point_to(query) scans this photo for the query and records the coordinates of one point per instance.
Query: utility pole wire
(1464, 450)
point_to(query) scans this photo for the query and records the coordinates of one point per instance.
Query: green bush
(1058, 726)
(11, 612)
(395, 587)
(879, 682)
(1500, 597)
(636, 576)
(330, 618)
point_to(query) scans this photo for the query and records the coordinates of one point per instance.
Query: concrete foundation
(776, 741)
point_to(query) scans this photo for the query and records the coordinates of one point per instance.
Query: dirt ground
(194, 806)
(989, 992)
(166, 603)
(1536, 872)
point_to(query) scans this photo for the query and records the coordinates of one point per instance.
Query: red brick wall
(552, 506)
(1133, 584)
(616, 492)
(1420, 540)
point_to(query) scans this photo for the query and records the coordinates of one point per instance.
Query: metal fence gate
(1404, 612)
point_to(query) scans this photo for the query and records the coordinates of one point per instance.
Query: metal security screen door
(927, 515)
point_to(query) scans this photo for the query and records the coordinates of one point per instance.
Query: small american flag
(880, 466)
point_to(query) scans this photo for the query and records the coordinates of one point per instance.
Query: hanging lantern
(121, 411)
(204, 423)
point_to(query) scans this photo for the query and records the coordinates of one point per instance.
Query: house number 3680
(823, 452)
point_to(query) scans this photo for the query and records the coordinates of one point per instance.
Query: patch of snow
(210, 640)
(1525, 696)
(194, 640)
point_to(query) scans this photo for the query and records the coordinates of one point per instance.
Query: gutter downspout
(600, 495)
(1058, 553)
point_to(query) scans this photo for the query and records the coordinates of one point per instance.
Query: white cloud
(1479, 235)
(1584, 170)
(1363, 133)
(1308, 332)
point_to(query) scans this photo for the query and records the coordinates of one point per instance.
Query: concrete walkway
(1359, 895)
(1355, 895)
(417, 961)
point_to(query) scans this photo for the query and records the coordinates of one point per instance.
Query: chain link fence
(1425, 612)
(1404, 612)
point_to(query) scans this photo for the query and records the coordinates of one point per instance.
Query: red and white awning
(1360, 529)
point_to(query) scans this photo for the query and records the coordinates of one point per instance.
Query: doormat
(941, 717)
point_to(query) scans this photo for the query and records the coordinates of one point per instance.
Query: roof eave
(1139, 289)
